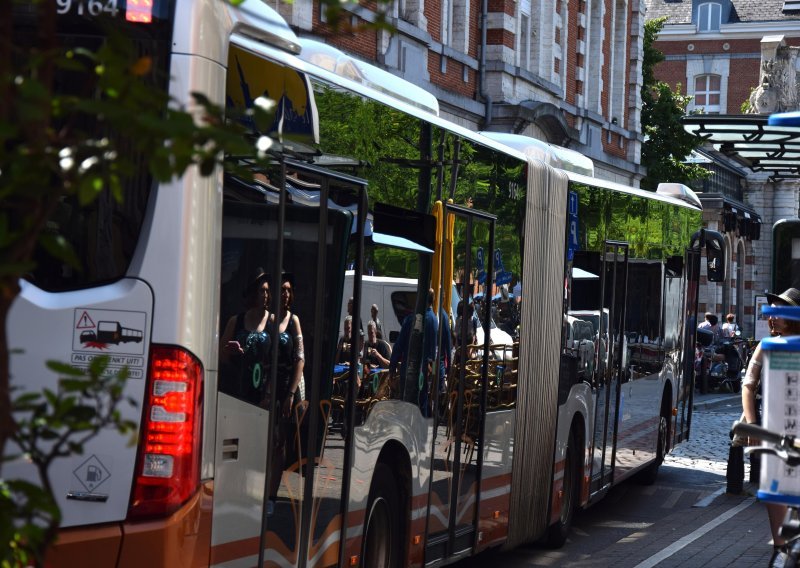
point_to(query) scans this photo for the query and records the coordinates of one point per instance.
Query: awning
(761, 143)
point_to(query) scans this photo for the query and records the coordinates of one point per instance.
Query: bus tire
(381, 546)
(557, 533)
(650, 473)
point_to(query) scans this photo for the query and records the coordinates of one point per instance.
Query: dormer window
(709, 17)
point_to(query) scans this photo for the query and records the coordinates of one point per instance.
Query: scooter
(717, 365)
(726, 367)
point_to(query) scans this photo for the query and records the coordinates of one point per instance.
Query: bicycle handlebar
(754, 431)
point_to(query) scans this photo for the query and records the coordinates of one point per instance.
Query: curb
(733, 400)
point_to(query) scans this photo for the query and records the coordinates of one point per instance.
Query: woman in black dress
(245, 344)
(291, 360)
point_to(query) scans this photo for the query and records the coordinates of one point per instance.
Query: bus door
(685, 381)
(281, 485)
(459, 419)
(613, 286)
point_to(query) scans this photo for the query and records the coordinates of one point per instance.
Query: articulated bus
(486, 430)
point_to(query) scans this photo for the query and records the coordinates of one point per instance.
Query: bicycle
(786, 447)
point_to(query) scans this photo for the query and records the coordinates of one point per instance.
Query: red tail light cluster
(139, 11)
(168, 462)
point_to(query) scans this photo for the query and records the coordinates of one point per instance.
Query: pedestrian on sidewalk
(778, 327)
(730, 327)
(711, 323)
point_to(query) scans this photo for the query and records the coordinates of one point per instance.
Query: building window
(524, 49)
(707, 93)
(594, 56)
(447, 22)
(460, 28)
(709, 16)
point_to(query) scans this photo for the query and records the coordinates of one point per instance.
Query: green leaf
(80, 415)
(98, 365)
(64, 368)
(74, 385)
(59, 247)
(89, 188)
(27, 398)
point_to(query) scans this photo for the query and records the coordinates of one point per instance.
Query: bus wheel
(381, 547)
(558, 532)
(650, 473)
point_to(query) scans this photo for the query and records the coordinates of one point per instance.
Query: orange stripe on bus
(234, 549)
(182, 539)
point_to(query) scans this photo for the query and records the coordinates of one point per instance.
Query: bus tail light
(168, 461)
(139, 11)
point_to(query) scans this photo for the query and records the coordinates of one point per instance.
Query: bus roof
(366, 89)
(666, 197)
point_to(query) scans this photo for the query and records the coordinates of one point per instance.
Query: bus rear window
(103, 235)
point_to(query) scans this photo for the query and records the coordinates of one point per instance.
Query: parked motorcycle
(718, 365)
(726, 373)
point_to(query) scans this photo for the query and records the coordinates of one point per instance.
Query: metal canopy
(762, 143)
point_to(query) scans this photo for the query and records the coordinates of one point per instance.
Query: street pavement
(742, 536)
(686, 519)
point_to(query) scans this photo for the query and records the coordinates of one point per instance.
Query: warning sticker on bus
(109, 331)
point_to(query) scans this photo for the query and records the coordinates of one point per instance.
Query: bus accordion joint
(168, 461)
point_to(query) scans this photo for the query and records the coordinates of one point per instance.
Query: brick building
(564, 72)
(713, 50)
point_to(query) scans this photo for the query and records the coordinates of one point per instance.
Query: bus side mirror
(715, 256)
(714, 244)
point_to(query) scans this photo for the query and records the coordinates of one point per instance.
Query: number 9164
(87, 7)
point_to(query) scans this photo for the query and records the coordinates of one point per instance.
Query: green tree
(666, 143)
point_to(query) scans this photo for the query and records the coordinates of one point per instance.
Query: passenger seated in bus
(245, 344)
(377, 352)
